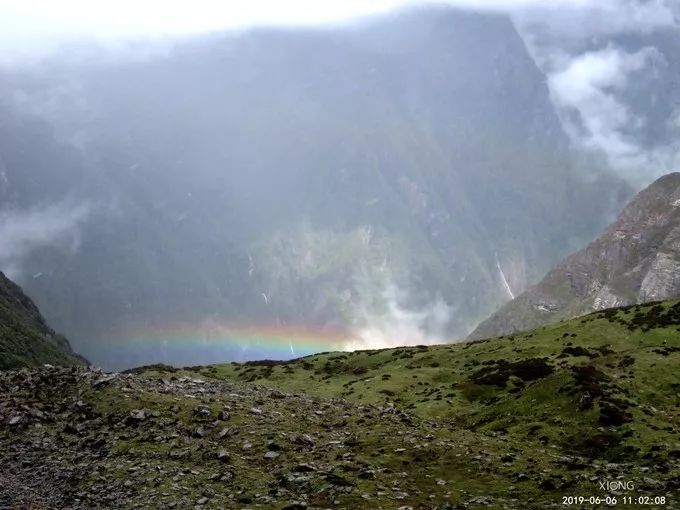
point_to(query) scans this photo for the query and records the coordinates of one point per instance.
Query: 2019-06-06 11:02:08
(614, 501)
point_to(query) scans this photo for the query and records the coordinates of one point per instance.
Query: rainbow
(209, 342)
(288, 340)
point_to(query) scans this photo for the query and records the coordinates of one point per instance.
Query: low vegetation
(25, 339)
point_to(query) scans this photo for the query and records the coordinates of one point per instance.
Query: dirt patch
(578, 351)
(613, 413)
(266, 363)
(498, 374)
(589, 379)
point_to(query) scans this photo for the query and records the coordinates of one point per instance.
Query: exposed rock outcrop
(635, 260)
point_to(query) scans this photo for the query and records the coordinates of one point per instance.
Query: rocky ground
(78, 438)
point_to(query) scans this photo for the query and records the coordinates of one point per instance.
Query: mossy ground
(605, 388)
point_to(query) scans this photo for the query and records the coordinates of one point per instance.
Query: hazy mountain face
(395, 181)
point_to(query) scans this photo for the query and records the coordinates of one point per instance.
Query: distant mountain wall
(411, 167)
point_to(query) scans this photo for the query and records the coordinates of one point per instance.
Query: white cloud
(567, 38)
(30, 26)
(36, 28)
(674, 119)
(23, 231)
(399, 325)
(590, 85)
(590, 79)
(589, 91)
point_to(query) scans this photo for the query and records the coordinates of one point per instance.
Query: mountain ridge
(634, 260)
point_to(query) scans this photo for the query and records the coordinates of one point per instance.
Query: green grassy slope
(515, 422)
(630, 352)
(25, 339)
(603, 388)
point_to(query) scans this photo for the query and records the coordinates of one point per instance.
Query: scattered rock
(305, 440)
(481, 500)
(138, 415)
(202, 411)
(304, 468)
(103, 381)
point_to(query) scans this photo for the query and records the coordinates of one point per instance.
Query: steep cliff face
(635, 260)
(25, 338)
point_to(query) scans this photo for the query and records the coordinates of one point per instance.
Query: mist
(24, 231)
(40, 27)
(398, 325)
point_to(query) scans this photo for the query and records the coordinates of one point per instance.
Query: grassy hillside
(515, 422)
(630, 351)
(25, 339)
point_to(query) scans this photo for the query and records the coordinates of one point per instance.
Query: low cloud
(400, 325)
(593, 80)
(588, 91)
(23, 231)
(39, 28)
(576, 21)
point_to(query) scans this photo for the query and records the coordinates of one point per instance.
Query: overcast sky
(32, 22)
(29, 27)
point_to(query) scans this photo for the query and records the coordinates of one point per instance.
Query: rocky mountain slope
(514, 422)
(635, 260)
(25, 338)
(294, 177)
